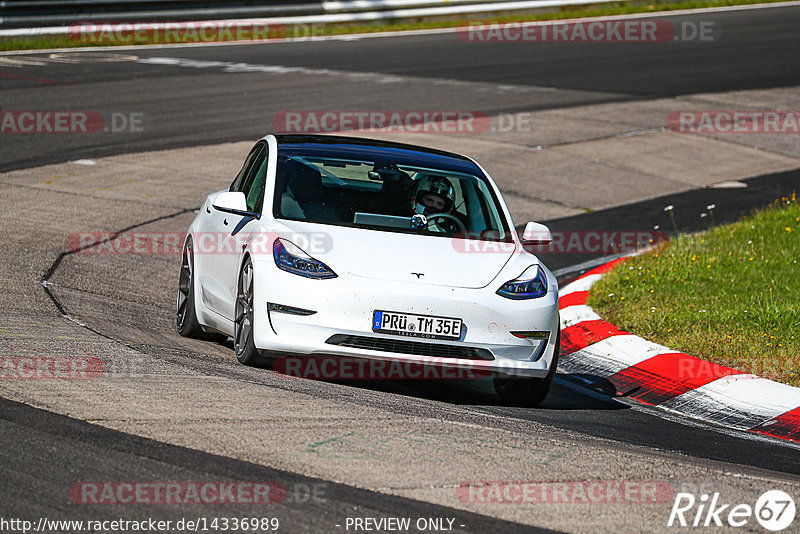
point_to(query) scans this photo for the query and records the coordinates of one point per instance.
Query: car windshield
(389, 190)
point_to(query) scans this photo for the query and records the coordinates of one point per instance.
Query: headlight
(291, 258)
(531, 284)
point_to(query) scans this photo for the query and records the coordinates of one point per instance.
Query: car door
(235, 231)
(214, 246)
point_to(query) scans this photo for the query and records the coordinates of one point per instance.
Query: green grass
(730, 295)
(566, 12)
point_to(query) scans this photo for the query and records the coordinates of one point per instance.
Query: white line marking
(577, 314)
(374, 77)
(581, 284)
(616, 353)
(23, 61)
(672, 416)
(90, 57)
(587, 265)
(746, 393)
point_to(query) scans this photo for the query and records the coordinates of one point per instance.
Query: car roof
(379, 150)
(360, 141)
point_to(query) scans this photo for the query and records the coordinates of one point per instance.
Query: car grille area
(402, 346)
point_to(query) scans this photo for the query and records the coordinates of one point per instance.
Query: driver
(436, 196)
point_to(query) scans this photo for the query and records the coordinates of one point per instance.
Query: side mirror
(536, 234)
(234, 202)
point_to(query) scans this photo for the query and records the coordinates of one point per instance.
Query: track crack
(44, 281)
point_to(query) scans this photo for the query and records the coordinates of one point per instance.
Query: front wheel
(527, 391)
(243, 344)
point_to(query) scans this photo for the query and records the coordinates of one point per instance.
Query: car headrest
(305, 183)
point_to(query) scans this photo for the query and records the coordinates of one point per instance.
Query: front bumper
(341, 324)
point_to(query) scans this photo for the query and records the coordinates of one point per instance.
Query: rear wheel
(186, 318)
(527, 391)
(243, 344)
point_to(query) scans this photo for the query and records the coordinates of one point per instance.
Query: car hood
(394, 256)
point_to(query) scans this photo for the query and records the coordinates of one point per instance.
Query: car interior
(333, 191)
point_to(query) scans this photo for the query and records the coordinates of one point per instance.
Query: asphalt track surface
(195, 106)
(41, 441)
(186, 106)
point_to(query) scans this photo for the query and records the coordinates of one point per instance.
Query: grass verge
(566, 12)
(730, 295)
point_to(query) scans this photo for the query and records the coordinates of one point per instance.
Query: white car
(338, 246)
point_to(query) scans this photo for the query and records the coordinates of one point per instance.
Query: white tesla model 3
(338, 246)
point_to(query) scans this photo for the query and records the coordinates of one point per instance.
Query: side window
(237, 183)
(255, 196)
(252, 182)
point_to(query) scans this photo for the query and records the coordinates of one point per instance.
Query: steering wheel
(449, 217)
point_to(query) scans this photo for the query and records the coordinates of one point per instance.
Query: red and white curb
(655, 375)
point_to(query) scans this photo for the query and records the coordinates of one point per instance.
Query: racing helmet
(435, 185)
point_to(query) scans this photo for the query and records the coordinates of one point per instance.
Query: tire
(243, 344)
(186, 317)
(527, 391)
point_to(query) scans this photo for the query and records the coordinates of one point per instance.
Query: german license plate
(409, 324)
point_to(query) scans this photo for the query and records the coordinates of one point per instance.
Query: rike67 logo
(774, 510)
